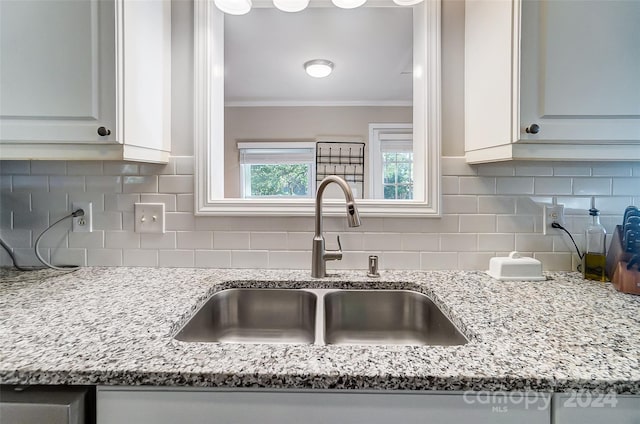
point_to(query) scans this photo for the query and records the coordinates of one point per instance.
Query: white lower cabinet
(593, 408)
(191, 406)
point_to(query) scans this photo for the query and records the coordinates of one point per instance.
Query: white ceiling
(371, 48)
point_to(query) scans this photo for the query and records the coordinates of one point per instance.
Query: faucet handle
(333, 255)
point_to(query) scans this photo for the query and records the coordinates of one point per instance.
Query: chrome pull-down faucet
(319, 254)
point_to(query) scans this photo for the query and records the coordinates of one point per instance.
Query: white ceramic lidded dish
(515, 268)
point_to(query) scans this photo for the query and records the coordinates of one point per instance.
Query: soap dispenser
(594, 260)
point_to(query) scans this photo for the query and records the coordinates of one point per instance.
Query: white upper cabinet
(552, 80)
(85, 79)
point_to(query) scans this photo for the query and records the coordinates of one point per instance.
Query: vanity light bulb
(407, 2)
(348, 4)
(318, 68)
(234, 7)
(291, 5)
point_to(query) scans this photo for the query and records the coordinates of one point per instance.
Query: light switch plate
(149, 217)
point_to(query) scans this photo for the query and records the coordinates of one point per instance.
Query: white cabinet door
(580, 68)
(569, 67)
(191, 406)
(57, 70)
(587, 408)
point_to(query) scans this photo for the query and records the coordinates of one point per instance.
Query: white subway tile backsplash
(104, 257)
(554, 261)
(474, 260)
(184, 202)
(450, 185)
(194, 239)
(533, 170)
(63, 257)
(59, 183)
(30, 183)
(231, 240)
(592, 186)
(381, 241)
(104, 184)
(84, 168)
(487, 209)
(401, 260)
(249, 259)
(140, 257)
(120, 202)
(577, 170)
(421, 242)
(121, 239)
(108, 220)
(289, 260)
(176, 183)
(92, 240)
(158, 241)
(45, 202)
(48, 167)
(268, 241)
(213, 259)
(458, 242)
(552, 185)
(459, 204)
(613, 170)
(140, 184)
(477, 223)
(497, 204)
(534, 243)
(184, 221)
(496, 242)
(626, 186)
(438, 260)
(15, 167)
(517, 185)
(176, 258)
(477, 185)
(515, 224)
(158, 169)
(169, 201)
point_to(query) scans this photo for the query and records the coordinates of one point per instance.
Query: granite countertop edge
(564, 334)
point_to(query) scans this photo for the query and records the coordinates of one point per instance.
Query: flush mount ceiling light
(348, 4)
(234, 7)
(318, 68)
(291, 5)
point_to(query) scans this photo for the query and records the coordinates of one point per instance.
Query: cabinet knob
(102, 131)
(532, 129)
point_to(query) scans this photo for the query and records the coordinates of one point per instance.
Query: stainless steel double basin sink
(321, 316)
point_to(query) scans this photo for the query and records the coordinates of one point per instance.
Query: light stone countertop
(115, 326)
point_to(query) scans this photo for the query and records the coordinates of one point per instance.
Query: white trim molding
(209, 126)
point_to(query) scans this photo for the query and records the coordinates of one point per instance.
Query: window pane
(389, 157)
(389, 191)
(389, 170)
(404, 157)
(280, 180)
(405, 191)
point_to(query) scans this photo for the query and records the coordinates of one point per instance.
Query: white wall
(487, 209)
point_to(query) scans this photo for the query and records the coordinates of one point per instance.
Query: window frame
(209, 126)
(245, 186)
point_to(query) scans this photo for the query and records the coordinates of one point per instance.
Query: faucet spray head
(353, 217)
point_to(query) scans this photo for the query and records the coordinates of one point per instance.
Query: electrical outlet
(552, 213)
(84, 223)
(149, 217)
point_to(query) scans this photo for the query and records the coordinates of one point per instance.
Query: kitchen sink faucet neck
(319, 254)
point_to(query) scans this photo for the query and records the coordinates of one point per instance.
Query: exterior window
(276, 170)
(392, 159)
